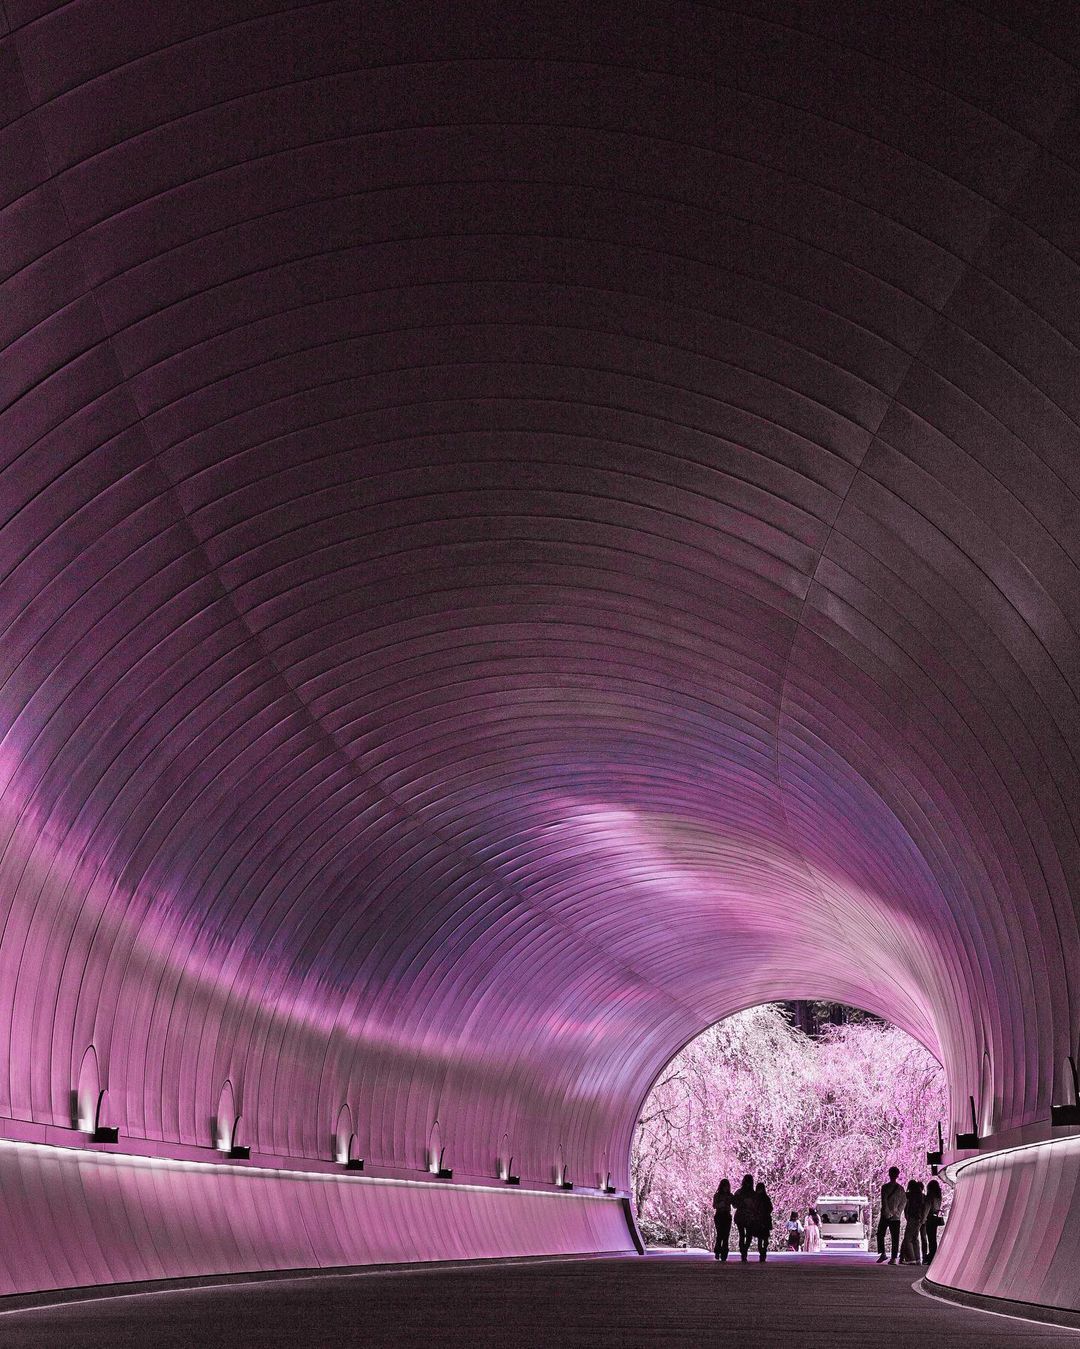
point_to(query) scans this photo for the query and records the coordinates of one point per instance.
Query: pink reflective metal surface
(1014, 1228)
(98, 1219)
(526, 529)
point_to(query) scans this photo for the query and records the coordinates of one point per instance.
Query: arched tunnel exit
(817, 1102)
(525, 530)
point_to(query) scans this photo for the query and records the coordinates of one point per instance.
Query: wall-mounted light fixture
(1062, 1115)
(226, 1125)
(237, 1151)
(504, 1167)
(88, 1102)
(345, 1142)
(103, 1133)
(969, 1140)
(437, 1155)
(349, 1159)
(933, 1159)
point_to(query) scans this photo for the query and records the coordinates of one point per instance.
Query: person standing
(743, 1203)
(914, 1214)
(794, 1232)
(721, 1203)
(812, 1232)
(933, 1218)
(762, 1219)
(891, 1212)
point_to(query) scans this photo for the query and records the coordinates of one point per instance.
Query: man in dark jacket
(892, 1211)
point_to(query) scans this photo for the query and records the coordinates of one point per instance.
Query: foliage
(825, 1115)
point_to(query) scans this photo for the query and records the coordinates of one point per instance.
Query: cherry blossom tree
(808, 1116)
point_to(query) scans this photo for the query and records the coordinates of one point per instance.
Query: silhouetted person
(794, 1231)
(721, 1202)
(743, 1203)
(933, 1218)
(762, 1219)
(914, 1216)
(893, 1200)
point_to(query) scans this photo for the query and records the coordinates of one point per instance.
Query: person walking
(933, 1218)
(914, 1214)
(812, 1232)
(721, 1203)
(743, 1203)
(794, 1231)
(762, 1219)
(891, 1212)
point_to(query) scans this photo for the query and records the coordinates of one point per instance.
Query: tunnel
(525, 529)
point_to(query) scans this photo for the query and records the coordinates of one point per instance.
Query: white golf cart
(845, 1221)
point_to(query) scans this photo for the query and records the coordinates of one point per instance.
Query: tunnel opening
(815, 1099)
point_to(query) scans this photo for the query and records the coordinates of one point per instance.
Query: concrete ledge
(999, 1306)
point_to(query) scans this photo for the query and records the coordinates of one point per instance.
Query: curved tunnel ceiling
(526, 529)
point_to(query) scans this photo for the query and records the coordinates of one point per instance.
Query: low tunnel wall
(74, 1218)
(1014, 1230)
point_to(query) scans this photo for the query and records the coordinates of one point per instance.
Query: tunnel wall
(86, 1218)
(525, 530)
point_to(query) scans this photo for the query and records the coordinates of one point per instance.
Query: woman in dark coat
(743, 1203)
(933, 1218)
(721, 1203)
(914, 1213)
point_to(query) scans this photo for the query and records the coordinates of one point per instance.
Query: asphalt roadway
(671, 1300)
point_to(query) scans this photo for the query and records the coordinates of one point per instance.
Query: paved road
(842, 1302)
